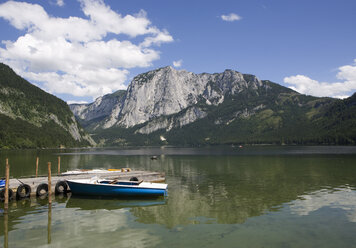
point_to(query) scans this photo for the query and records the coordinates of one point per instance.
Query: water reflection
(223, 189)
(343, 198)
(212, 200)
(229, 190)
(49, 224)
(73, 224)
(6, 230)
(23, 163)
(90, 203)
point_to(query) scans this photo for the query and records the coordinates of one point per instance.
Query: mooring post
(37, 160)
(49, 184)
(7, 179)
(59, 165)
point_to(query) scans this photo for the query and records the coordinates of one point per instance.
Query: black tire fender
(11, 194)
(61, 187)
(2, 194)
(41, 188)
(23, 191)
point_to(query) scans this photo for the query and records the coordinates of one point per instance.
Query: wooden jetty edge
(52, 180)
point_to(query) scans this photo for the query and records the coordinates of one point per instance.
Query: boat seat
(124, 182)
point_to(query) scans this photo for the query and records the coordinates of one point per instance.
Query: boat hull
(80, 188)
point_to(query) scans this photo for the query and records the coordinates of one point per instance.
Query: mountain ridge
(167, 106)
(177, 90)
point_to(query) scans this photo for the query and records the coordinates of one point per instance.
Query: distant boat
(105, 187)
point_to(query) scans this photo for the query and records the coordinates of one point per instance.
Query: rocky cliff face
(105, 107)
(155, 95)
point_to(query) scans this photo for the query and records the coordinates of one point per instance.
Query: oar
(19, 181)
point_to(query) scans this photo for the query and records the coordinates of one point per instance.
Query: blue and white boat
(105, 187)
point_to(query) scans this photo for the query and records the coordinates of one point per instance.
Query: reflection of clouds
(136, 238)
(73, 162)
(81, 228)
(343, 198)
(100, 221)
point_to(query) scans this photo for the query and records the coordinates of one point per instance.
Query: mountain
(32, 118)
(103, 108)
(167, 106)
(162, 92)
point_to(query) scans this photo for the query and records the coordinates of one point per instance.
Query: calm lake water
(218, 197)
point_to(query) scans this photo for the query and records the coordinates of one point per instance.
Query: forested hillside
(32, 118)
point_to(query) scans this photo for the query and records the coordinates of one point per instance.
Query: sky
(80, 50)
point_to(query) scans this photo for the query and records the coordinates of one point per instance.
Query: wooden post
(59, 165)
(49, 184)
(7, 178)
(37, 160)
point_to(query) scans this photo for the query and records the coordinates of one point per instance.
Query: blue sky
(79, 50)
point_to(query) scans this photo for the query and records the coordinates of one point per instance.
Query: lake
(257, 196)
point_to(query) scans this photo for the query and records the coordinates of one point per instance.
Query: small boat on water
(105, 187)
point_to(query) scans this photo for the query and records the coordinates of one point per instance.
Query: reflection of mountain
(304, 200)
(222, 189)
(231, 189)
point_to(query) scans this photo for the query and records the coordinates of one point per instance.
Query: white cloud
(73, 55)
(60, 3)
(231, 17)
(342, 89)
(177, 63)
(158, 39)
(76, 102)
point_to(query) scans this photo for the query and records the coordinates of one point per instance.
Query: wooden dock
(33, 182)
